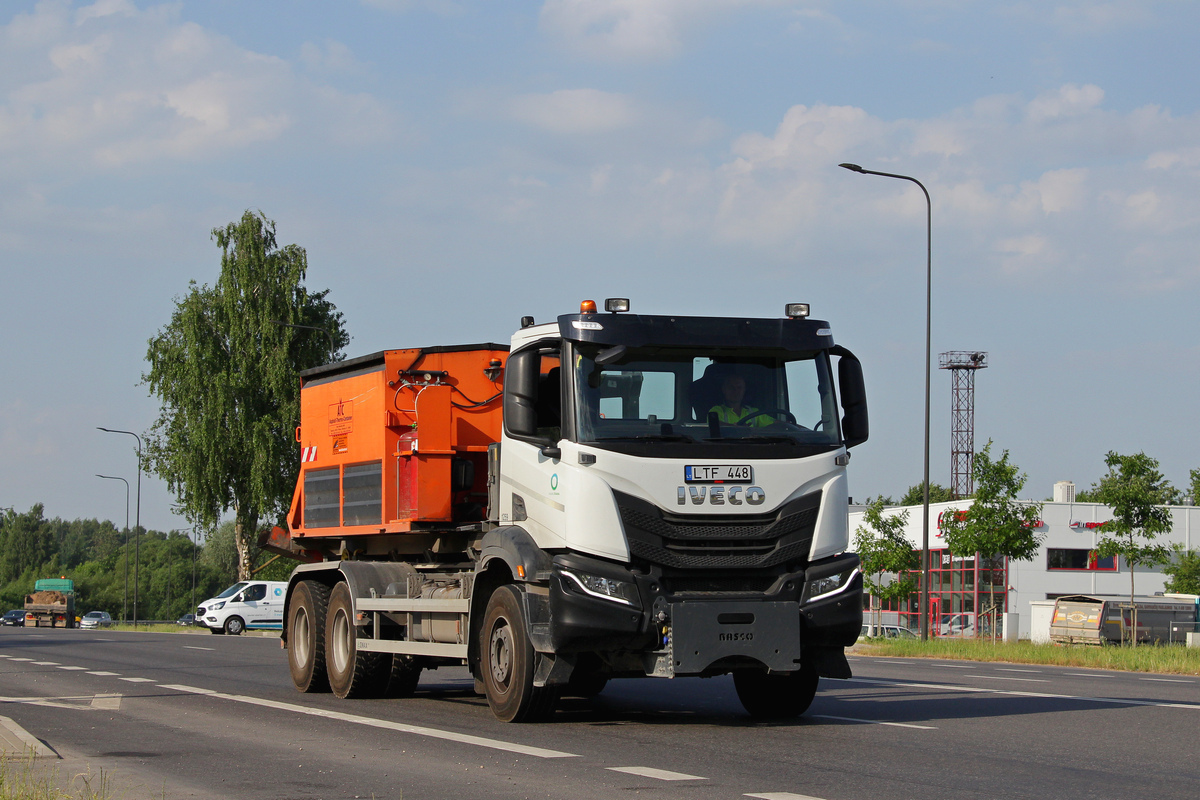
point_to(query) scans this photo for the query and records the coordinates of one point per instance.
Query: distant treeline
(93, 554)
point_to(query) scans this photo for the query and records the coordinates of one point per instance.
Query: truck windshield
(702, 397)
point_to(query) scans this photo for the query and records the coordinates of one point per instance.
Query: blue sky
(452, 166)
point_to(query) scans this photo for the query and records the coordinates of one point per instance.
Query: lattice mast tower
(963, 365)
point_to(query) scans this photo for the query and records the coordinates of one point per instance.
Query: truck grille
(725, 542)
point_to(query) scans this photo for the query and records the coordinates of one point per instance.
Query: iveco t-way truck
(610, 495)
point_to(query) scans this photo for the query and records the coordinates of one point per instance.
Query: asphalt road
(173, 716)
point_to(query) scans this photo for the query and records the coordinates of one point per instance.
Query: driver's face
(734, 389)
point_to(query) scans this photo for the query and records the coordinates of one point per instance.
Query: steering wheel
(789, 416)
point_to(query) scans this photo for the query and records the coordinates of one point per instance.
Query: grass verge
(22, 778)
(1164, 659)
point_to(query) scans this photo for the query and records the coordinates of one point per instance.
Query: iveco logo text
(734, 637)
(720, 495)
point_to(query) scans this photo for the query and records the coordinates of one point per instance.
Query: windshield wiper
(651, 437)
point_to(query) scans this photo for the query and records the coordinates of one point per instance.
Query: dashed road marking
(104, 674)
(1014, 669)
(45, 663)
(658, 774)
(1008, 678)
(20, 659)
(949, 687)
(876, 722)
(781, 796)
(139, 680)
(192, 647)
(1167, 680)
(1088, 675)
(955, 666)
(434, 733)
(68, 667)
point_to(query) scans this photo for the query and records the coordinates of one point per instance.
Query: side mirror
(520, 393)
(855, 427)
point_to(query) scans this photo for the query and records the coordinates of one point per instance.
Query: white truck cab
(247, 605)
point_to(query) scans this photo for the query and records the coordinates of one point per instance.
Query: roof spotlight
(796, 310)
(615, 304)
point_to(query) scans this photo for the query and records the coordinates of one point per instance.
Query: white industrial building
(961, 589)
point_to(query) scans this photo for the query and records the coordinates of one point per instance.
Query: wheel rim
(501, 648)
(301, 631)
(341, 641)
(235, 626)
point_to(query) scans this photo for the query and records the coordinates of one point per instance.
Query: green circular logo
(554, 482)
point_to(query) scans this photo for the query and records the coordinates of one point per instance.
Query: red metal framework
(962, 365)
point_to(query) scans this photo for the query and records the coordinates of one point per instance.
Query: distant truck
(52, 604)
(1109, 619)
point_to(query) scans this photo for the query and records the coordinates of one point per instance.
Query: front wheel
(508, 661)
(234, 626)
(776, 695)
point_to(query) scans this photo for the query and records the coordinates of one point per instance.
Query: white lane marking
(659, 774)
(4, 656)
(139, 680)
(876, 722)
(20, 659)
(781, 796)
(71, 668)
(1008, 678)
(107, 702)
(1014, 669)
(1089, 675)
(890, 661)
(434, 733)
(955, 666)
(1167, 680)
(190, 647)
(947, 687)
(45, 663)
(105, 674)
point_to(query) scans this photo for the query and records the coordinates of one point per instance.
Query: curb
(16, 741)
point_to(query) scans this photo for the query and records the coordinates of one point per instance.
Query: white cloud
(116, 85)
(639, 29)
(1068, 101)
(575, 111)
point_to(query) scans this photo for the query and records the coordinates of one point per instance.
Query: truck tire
(234, 626)
(352, 673)
(306, 636)
(508, 660)
(776, 695)
(403, 677)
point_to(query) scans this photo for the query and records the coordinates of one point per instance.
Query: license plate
(718, 473)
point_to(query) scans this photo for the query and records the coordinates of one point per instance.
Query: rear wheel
(405, 672)
(508, 661)
(306, 636)
(776, 695)
(234, 626)
(352, 673)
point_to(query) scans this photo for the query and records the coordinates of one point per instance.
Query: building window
(1078, 558)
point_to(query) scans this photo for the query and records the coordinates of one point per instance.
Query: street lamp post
(924, 617)
(125, 604)
(137, 525)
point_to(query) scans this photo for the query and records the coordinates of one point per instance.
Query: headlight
(217, 606)
(830, 584)
(605, 588)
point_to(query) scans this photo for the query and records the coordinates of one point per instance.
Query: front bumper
(703, 635)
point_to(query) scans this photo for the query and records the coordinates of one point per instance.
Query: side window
(256, 592)
(549, 397)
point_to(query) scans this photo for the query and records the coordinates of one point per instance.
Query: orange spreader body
(396, 441)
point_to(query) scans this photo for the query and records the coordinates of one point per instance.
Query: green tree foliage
(226, 374)
(1184, 571)
(1168, 495)
(915, 496)
(1136, 492)
(997, 524)
(1194, 490)
(884, 550)
(164, 574)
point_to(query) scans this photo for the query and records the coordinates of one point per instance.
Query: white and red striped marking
(308, 454)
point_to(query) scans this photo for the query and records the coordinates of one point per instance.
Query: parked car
(889, 632)
(186, 619)
(15, 617)
(96, 619)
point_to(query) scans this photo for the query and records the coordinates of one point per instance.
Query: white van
(253, 605)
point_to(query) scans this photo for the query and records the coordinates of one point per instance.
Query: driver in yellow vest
(732, 410)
